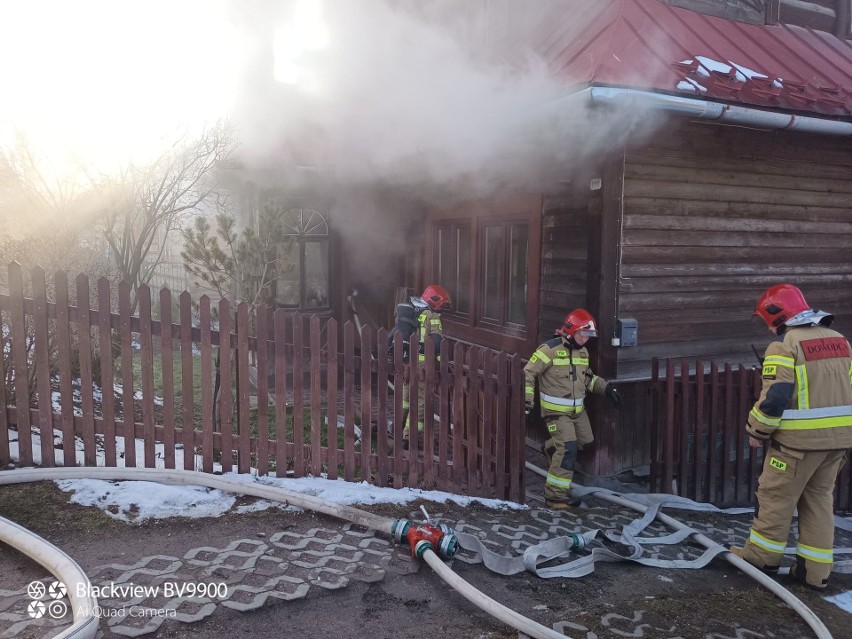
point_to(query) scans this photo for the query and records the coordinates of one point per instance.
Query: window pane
(518, 274)
(316, 274)
(452, 270)
(492, 270)
(447, 274)
(461, 293)
(287, 285)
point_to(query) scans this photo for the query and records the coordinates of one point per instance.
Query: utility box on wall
(628, 331)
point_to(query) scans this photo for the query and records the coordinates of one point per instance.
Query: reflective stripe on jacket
(806, 399)
(564, 377)
(430, 324)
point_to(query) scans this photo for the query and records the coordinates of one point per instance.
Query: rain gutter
(716, 111)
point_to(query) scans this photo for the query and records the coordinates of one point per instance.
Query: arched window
(306, 285)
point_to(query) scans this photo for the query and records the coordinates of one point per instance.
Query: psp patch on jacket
(770, 371)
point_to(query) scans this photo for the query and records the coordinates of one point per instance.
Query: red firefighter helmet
(578, 320)
(779, 304)
(437, 297)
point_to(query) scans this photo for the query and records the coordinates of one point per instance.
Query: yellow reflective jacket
(806, 399)
(430, 325)
(564, 377)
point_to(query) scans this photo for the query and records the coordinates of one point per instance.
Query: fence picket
(242, 372)
(279, 321)
(187, 384)
(414, 417)
(18, 334)
(699, 463)
(683, 439)
(5, 449)
(398, 409)
(740, 438)
(488, 419)
(517, 431)
(316, 398)
(146, 357)
(226, 407)
(63, 353)
(669, 432)
(472, 421)
(728, 432)
(208, 408)
(382, 460)
(366, 397)
(127, 389)
(84, 335)
(168, 376)
(445, 424)
(41, 339)
(428, 390)
(459, 474)
(262, 390)
(713, 438)
(298, 400)
(331, 385)
(348, 402)
(501, 426)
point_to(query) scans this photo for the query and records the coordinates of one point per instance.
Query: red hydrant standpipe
(422, 537)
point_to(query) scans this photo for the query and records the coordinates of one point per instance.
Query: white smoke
(396, 99)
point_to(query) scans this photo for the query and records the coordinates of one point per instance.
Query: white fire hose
(755, 573)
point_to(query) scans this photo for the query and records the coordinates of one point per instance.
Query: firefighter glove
(528, 408)
(614, 396)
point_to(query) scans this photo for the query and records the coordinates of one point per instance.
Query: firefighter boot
(571, 502)
(740, 552)
(799, 573)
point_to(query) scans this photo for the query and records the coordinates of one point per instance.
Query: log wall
(715, 215)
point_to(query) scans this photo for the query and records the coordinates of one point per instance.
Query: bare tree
(145, 204)
(46, 220)
(34, 199)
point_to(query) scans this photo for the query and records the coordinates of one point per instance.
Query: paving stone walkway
(138, 596)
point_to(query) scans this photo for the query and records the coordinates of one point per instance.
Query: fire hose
(685, 531)
(427, 541)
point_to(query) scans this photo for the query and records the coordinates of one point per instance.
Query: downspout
(707, 110)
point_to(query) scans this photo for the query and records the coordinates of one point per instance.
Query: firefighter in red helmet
(427, 308)
(804, 413)
(561, 369)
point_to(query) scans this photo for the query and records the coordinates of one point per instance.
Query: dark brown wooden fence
(700, 447)
(284, 394)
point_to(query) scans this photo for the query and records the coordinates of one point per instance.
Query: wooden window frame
(314, 229)
(470, 326)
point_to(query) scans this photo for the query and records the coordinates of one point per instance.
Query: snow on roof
(650, 45)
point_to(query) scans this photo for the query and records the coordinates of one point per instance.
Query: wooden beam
(607, 214)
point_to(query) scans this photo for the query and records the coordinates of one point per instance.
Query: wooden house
(725, 167)
(732, 172)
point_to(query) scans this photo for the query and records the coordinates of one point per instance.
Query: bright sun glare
(104, 81)
(294, 39)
